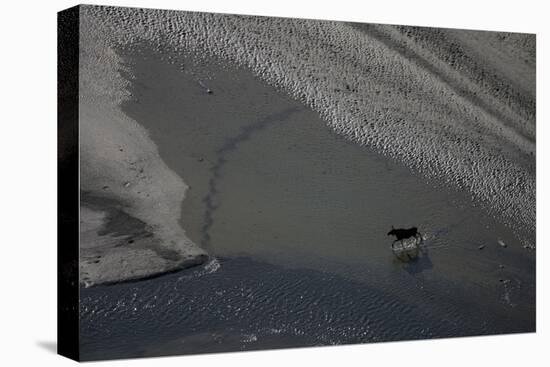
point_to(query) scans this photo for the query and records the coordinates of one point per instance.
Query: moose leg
(393, 244)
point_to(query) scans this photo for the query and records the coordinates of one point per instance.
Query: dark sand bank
(269, 181)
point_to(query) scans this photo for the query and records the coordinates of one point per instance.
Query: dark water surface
(247, 305)
(297, 217)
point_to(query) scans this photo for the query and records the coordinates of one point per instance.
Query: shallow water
(247, 305)
(299, 217)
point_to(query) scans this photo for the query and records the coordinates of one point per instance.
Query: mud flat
(294, 212)
(456, 108)
(269, 181)
(295, 217)
(452, 105)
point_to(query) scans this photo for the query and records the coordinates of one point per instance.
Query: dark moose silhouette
(402, 233)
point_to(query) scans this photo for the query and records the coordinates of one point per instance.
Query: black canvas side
(67, 183)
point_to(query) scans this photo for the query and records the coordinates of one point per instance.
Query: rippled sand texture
(455, 105)
(300, 143)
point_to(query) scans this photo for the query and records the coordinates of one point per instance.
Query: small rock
(501, 243)
(209, 91)
(201, 159)
(481, 247)
(105, 187)
(501, 266)
(126, 184)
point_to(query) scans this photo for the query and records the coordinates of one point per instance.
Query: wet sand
(272, 187)
(289, 170)
(454, 105)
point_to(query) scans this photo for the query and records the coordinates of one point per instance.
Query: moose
(402, 233)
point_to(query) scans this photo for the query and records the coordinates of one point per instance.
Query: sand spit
(458, 106)
(130, 200)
